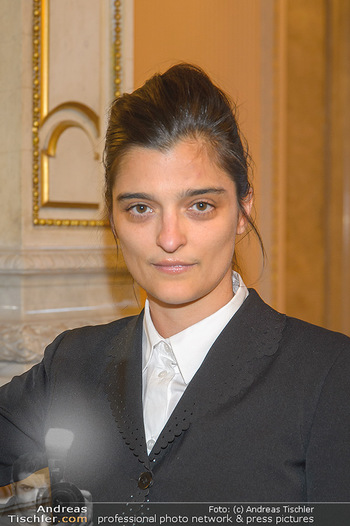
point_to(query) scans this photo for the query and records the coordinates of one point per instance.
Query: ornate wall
(58, 263)
(286, 62)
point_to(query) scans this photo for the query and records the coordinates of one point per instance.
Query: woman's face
(176, 216)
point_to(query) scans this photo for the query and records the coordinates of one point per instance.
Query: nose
(171, 235)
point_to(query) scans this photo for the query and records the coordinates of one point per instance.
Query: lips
(173, 267)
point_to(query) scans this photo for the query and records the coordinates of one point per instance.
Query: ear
(247, 205)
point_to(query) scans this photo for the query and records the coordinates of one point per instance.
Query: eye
(26, 488)
(202, 206)
(139, 209)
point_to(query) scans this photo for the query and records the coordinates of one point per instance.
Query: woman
(209, 395)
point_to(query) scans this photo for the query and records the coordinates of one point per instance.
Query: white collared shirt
(185, 351)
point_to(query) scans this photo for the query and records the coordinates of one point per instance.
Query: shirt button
(145, 480)
(150, 443)
(162, 374)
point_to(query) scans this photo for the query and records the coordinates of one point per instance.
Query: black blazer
(265, 418)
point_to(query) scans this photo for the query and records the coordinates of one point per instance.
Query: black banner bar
(275, 514)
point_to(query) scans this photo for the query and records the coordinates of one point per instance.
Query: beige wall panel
(80, 159)
(10, 124)
(316, 258)
(75, 63)
(338, 169)
(305, 197)
(70, 91)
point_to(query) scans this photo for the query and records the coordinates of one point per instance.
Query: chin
(174, 298)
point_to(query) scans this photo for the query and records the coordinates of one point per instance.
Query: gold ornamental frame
(40, 114)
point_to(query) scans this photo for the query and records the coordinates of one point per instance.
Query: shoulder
(91, 344)
(293, 327)
(308, 334)
(96, 333)
(302, 341)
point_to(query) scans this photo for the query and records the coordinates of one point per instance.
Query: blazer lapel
(236, 359)
(124, 387)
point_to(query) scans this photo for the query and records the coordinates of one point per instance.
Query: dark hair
(178, 104)
(27, 465)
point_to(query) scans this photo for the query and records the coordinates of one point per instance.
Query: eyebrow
(126, 196)
(187, 193)
(201, 191)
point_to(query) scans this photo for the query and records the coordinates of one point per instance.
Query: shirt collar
(191, 345)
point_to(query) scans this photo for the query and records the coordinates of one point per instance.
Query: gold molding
(44, 63)
(60, 128)
(78, 106)
(41, 114)
(117, 48)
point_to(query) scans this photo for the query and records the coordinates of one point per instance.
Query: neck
(172, 319)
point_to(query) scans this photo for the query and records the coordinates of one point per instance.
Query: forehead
(188, 163)
(35, 480)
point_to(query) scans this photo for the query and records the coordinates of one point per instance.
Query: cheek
(224, 237)
(27, 496)
(131, 242)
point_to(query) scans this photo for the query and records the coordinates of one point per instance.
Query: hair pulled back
(178, 104)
